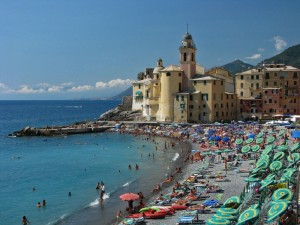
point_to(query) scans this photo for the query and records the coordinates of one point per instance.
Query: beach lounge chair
(132, 221)
(188, 217)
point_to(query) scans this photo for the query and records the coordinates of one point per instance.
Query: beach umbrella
(255, 148)
(232, 202)
(279, 156)
(295, 157)
(218, 138)
(277, 210)
(129, 197)
(255, 170)
(265, 183)
(238, 141)
(296, 134)
(224, 216)
(249, 215)
(249, 140)
(270, 139)
(271, 176)
(281, 132)
(262, 163)
(255, 206)
(245, 149)
(295, 147)
(218, 151)
(251, 135)
(285, 177)
(252, 179)
(276, 166)
(225, 139)
(230, 211)
(282, 194)
(217, 221)
(259, 140)
(260, 134)
(282, 147)
(264, 157)
(227, 150)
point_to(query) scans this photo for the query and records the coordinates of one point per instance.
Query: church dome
(187, 36)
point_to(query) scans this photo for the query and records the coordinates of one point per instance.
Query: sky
(72, 49)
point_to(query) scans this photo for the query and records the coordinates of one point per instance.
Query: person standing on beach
(119, 214)
(102, 191)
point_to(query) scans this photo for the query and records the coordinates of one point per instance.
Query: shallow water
(56, 166)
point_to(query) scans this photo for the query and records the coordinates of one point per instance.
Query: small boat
(179, 207)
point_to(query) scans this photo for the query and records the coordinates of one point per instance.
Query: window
(270, 100)
(191, 114)
(157, 76)
(222, 83)
(295, 75)
(252, 77)
(204, 82)
(275, 83)
(266, 84)
(177, 98)
(267, 76)
(168, 74)
(252, 85)
(221, 106)
(184, 56)
(242, 93)
(257, 77)
(195, 83)
(217, 114)
(191, 106)
(242, 77)
(182, 98)
(221, 96)
(181, 113)
(242, 85)
(204, 106)
(204, 113)
(179, 74)
(266, 92)
(204, 97)
(295, 82)
(179, 87)
(214, 82)
(191, 97)
(257, 85)
(192, 56)
(139, 86)
(275, 74)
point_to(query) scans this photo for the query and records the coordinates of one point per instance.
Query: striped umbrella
(262, 163)
(227, 150)
(249, 215)
(281, 132)
(245, 149)
(232, 202)
(282, 194)
(279, 156)
(259, 140)
(276, 166)
(271, 176)
(217, 221)
(288, 177)
(255, 148)
(252, 179)
(277, 210)
(249, 140)
(227, 211)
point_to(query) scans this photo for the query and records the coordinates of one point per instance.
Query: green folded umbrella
(295, 147)
(270, 139)
(262, 163)
(249, 140)
(238, 141)
(259, 140)
(282, 194)
(282, 147)
(217, 221)
(293, 158)
(260, 134)
(276, 211)
(255, 148)
(279, 156)
(246, 149)
(224, 216)
(252, 179)
(265, 183)
(281, 132)
(227, 211)
(227, 150)
(218, 151)
(249, 215)
(271, 176)
(276, 166)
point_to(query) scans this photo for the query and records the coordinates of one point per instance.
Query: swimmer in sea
(44, 203)
(70, 194)
(25, 220)
(38, 205)
(136, 166)
(129, 166)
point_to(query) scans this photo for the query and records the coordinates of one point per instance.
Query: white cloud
(101, 84)
(261, 49)
(25, 89)
(82, 88)
(254, 57)
(119, 83)
(280, 44)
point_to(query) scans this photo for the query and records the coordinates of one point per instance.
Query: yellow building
(185, 93)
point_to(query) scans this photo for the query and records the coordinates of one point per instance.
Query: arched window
(192, 56)
(184, 56)
(179, 87)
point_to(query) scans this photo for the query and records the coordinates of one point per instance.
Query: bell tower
(187, 59)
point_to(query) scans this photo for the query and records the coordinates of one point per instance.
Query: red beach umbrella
(129, 197)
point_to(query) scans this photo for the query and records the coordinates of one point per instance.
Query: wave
(96, 202)
(175, 157)
(128, 183)
(59, 220)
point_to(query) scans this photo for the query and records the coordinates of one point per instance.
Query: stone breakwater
(61, 130)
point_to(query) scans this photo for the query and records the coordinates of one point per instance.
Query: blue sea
(55, 166)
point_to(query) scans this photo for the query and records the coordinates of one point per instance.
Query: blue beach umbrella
(225, 139)
(251, 136)
(296, 134)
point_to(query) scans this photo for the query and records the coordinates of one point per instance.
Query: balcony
(152, 100)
